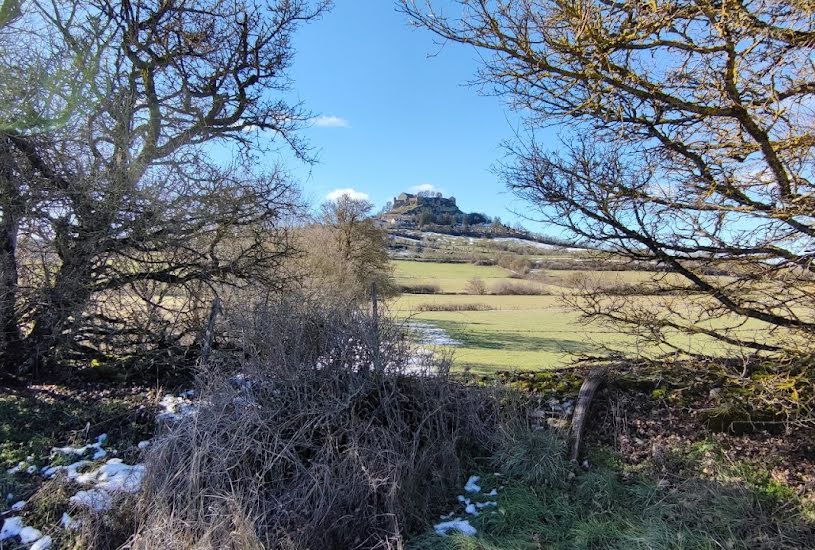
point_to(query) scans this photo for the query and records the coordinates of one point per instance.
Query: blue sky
(396, 111)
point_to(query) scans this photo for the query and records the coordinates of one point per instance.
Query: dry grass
(323, 441)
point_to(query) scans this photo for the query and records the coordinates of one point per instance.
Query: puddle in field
(430, 335)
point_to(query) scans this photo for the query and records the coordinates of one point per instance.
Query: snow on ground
(457, 525)
(71, 470)
(11, 528)
(15, 527)
(516, 240)
(25, 465)
(100, 485)
(472, 507)
(112, 477)
(174, 408)
(429, 334)
(472, 485)
(115, 476)
(98, 454)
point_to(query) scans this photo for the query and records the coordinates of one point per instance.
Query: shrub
(325, 442)
(514, 263)
(454, 307)
(426, 288)
(506, 288)
(476, 286)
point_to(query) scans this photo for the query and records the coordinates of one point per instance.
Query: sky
(394, 112)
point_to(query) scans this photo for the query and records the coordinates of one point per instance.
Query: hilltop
(410, 219)
(408, 211)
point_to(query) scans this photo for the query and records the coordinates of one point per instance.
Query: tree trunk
(11, 210)
(61, 304)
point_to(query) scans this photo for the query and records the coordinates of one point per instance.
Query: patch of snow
(493, 493)
(460, 525)
(143, 444)
(67, 522)
(470, 509)
(115, 476)
(95, 500)
(71, 470)
(17, 506)
(112, 477)
(98, 454)
(42, 544)
(11, 527)
(430, 335)
(29, 535)
(472, 485)
(175, 408)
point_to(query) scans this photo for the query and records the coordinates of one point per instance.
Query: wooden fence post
(209, 334)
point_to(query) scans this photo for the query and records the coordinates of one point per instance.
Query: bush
(454, 307)
(517, 264)
(506, 288)
(419, 289)
(476, 286)
(324, 441)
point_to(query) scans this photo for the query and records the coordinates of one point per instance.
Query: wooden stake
(590, 385)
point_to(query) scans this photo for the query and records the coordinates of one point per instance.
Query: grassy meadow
(511, 332)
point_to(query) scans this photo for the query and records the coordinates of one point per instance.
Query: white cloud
(425, 187)
(349, 192)
(330, 121)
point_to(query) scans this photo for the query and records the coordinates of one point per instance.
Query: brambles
(318, 439)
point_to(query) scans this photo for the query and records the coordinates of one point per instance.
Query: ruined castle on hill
(406, 200)
(424, 209)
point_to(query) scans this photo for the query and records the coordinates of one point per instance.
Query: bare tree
(117, 218)
(691, 147)
(345, 252)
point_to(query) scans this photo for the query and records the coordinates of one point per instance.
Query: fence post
(209, 334)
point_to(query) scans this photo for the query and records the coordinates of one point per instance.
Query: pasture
(518, 332)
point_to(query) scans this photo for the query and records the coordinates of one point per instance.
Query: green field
(516, 332)
(451, 278)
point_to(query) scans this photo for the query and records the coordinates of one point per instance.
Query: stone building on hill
(411, 211)
(406, 200)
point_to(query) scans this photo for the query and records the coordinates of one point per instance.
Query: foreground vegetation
(134, 257)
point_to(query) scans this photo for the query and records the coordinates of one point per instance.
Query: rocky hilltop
(408, 211)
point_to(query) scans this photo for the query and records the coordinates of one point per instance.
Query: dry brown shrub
(421, 288)
(506, 288)
(430, 306)
(318, 438)
(476, 286)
